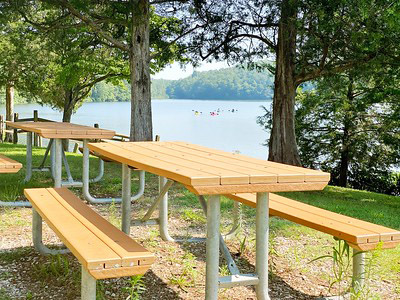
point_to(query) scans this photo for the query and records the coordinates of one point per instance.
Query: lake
(225, 125)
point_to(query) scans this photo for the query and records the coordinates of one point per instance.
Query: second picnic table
(211, 172)
(58, 131)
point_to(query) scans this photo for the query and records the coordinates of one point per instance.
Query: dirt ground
(178, 273)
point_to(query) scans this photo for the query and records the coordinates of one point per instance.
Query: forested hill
(230, 83)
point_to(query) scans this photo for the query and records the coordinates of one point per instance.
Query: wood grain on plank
(254, 188)
(153, 165)
(92, 252)
(350, 229)
(8, 165)
(310, 175)
(131, 253)
(63, 130)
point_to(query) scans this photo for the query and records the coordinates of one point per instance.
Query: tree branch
(93, 25)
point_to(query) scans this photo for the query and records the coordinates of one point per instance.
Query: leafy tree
(350, 126)
(74, 61)
(19, 55)
(145, 39)
(228, 83)
(308, 39)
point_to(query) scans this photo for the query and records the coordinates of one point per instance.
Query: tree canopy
(307, 39)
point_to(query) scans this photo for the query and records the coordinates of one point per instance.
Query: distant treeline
(225, 84)
(230, 83)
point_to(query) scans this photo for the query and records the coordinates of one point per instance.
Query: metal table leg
(126, 199)
(262, 232)
(52, 158)
(233, 269)
(163, 211)
(212, 247)
(57, 163)
(28, 156)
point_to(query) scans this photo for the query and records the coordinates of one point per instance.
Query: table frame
(214, 240)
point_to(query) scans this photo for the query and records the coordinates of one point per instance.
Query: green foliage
(136, 287)
(56, 267)
(341, 262)
(107, 92)
(349, 126)
(229, 83)
(159, 88)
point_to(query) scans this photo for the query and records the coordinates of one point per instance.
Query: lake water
(177, 120)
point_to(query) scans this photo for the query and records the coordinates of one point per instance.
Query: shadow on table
(279, 289)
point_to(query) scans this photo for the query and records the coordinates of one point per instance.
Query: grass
(372, 207)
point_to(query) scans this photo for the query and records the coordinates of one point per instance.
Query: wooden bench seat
(360, 235)
(102, 249)
(8, 165)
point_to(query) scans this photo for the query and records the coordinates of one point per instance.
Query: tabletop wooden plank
(153, 165)
(280, 174)
(194, 166)
(63, 130)
(227, 176)
(309, 174)
(191, 158)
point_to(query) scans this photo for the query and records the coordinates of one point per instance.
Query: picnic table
(57, 131)
(211, 172)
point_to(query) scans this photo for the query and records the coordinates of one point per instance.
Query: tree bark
(9, 109)
(69, 105)
(282, 143)
(346, 140)
(139, 60)
(344, 160)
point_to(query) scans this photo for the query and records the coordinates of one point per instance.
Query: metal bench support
(37, 236)
(358, 270)
(88, 286)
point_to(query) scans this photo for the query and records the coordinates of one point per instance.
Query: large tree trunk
(139, 60)
(346, 140)
(282, 143)
(9, 108)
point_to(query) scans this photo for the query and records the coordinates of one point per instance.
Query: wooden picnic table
(8, 165)
(211, 172)
(57, 131)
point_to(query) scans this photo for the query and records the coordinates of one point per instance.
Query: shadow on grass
(59, 277)
(279, 289)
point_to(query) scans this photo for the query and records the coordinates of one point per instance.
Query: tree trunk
(346, 140)
(68, 110)
(139, 60)
(9, 109)
(282, 143)
(344, 160)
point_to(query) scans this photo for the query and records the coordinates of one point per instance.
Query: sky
(174, 71)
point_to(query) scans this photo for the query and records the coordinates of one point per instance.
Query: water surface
(210, 123)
